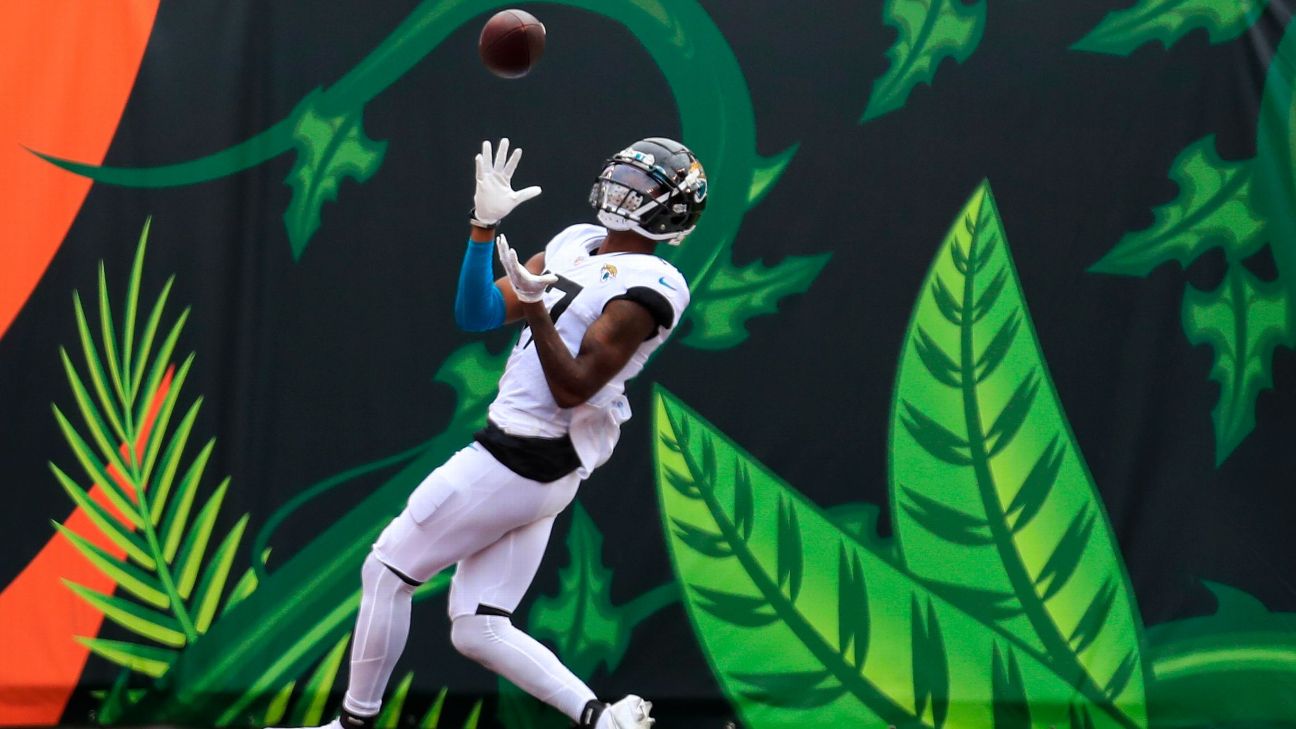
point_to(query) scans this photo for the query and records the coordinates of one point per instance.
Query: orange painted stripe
(67, 70)
(39, 616)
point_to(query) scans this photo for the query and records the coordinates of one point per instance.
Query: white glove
(495, 197)
(529, 287)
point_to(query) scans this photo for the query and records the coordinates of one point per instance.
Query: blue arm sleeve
(479, 305)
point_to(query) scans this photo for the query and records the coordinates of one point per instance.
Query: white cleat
(630, 713)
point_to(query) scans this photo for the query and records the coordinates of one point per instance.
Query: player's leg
(382, 627)
(463, 506)
(487, 588)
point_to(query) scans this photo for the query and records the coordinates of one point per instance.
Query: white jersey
(587, 283)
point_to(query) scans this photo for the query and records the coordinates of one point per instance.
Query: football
(511, 42)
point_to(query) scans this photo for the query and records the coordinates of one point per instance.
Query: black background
(309, 368)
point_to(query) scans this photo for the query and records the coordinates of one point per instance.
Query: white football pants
(495, 524)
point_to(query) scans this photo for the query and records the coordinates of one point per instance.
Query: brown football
(511, 42)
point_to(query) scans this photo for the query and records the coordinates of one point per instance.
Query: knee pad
(477, 636)
(372, 572)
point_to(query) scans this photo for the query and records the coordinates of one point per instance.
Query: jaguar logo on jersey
(608, 273)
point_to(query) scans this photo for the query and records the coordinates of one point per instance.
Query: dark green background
(312, 367)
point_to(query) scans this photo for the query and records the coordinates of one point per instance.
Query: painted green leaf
(728, 298)
(308, 709)
(174, 524)
(1011, 706)
(97, 472)
(147, 457)
(748, 612)
(806, 690)
(1243, 321)
(931, 678)
(212, 584)
(152, 624)
(246, 585)
(989, 490)
(859, 642)
(170, 462)
(473, 373)
(586, 629)
(767, 172)
(106, 400)
(144, 354)
(1215, 207)
(929, 31)
(1234, 668)
(1274, 166)
(190, 557)
(278, 704)
(432, 718)
(162, 364)
(474, 716)
(89, 412)
(140, 584)
(581, 619)
(394, 704)
(108, 525)
(115, 700)
(107, 332)
(144, 659)
(1168, 21)
(331, 145)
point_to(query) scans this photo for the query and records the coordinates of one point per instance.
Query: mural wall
(982, 414)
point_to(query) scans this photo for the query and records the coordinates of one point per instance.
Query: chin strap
(589, 716)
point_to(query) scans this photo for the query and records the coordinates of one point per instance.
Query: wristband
(479, 223)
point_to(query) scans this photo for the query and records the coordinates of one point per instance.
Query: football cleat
(630, 713)
(346, 720)
(655, 187)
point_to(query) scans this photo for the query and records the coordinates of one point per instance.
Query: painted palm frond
(989, 489)
(140, 481)
(805, 623)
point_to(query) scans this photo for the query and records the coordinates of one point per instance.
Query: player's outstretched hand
(495, 197)
(529, 287)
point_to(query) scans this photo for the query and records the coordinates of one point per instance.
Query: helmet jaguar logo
(608, 273)
(696, 181)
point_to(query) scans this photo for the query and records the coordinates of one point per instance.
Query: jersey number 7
(570, 290)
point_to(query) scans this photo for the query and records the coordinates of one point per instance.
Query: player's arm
(607, 346)
(481, 303)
